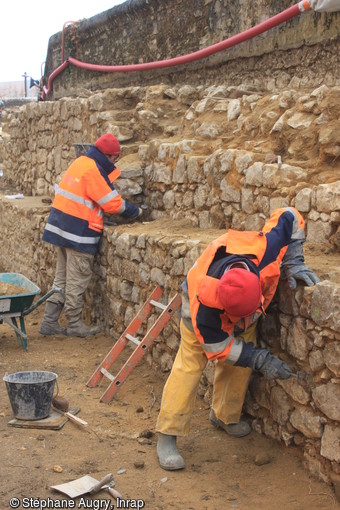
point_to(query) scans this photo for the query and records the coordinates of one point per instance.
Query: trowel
(303, 379)
(87, 485)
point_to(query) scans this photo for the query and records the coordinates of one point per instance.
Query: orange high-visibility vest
(202, 289)
(82, 197)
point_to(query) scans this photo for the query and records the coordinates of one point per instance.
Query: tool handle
(115, 494)
(76, 420)
(107, 479)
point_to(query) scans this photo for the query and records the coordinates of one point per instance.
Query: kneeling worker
(225, 292)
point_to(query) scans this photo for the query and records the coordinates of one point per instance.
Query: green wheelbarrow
(15, 307)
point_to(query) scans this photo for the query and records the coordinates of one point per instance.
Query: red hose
(197, 55)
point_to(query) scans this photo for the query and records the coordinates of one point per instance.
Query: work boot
(168, 455)
(50, 325)
(79, 328)
(240, 429)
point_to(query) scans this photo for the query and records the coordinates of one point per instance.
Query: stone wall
(221, 156)
(137, 31)
(201, 160)
(301, 327)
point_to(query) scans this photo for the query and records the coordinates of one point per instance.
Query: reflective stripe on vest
(75, 198)
(231, 348)
(108, 197)
(71, 237)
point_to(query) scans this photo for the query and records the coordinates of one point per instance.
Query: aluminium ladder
(167, 311)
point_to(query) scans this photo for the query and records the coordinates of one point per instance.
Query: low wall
(302, 327)
(221, 156)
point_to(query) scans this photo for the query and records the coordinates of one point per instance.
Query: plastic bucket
(30, 393)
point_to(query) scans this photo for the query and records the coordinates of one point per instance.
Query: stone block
(298, 342)
(234, 109)
(307, 422)
(330, 443)
(229, 193)
(325, 305)
(331, 355)
(327, 398)
(276, 176)
(328, 197)
(280, 405)
(254, 174)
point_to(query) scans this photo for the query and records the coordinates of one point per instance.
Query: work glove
(262, 361)
(132, 212)
(293, 267)
(270, 366)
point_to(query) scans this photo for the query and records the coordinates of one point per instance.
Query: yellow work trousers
(180, 390)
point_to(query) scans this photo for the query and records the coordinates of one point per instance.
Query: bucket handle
(56, 381)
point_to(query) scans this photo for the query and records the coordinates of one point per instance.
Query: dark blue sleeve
(277, 238)
(208, 321)
(131, 211)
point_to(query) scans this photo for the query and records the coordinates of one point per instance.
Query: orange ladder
(142, 345)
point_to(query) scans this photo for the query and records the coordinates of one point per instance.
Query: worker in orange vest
(75, 226)
(226, 291)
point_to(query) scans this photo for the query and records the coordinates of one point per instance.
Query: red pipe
(55, 73)
(206, 52)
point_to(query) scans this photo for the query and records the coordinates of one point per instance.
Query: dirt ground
(221, 472)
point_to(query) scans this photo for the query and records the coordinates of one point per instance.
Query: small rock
(146, 433)
(139, 464)
(140, 409)
(57, 469)
(144, 441)
(165, 479)
(262, 458)
(121, 471)
(41, 437)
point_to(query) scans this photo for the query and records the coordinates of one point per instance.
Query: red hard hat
(239, 292)
(108, 144)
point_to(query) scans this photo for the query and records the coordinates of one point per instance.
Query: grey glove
(270, 366)
(293, 267)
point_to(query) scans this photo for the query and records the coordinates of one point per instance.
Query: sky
(27, 26)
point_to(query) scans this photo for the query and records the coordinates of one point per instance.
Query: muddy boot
(50, 325)
(168, 455)
(79, 328)
(240, 429)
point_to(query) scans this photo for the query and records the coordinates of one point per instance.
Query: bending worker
(75, 226)
(225, 292)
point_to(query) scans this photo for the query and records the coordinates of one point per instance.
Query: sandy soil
(221, 472)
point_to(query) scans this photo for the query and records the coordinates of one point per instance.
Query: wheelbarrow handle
(42, 299)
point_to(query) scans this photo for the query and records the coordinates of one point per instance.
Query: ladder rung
(159, 305)
(142, 345)
(132, 339)
(107, 374)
